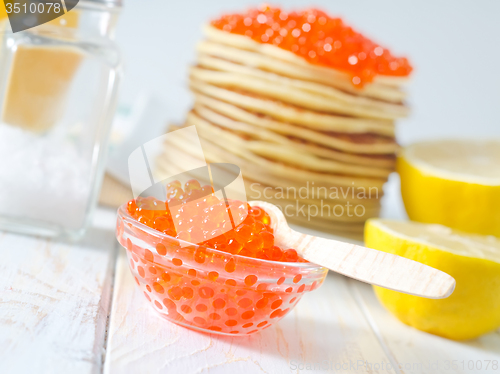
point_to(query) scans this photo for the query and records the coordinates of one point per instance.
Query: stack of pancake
(304, 136)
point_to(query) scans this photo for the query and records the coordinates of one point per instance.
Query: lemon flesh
(474, 261)
(455, 183)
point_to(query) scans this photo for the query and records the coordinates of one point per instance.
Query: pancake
(245, 43)
(285, 90)
(247, 160)
(334, 211)
(299, 144)
(302, 160)
(329, 204)
(328, 209)
(309, 212)
(292, 114)
(280, 167)
(216, 64)
(295, 206)
(261, 185)
(306, 73)
(315, 189)
(309, 191)
(277, 152)
(363, 149)
(347, 231)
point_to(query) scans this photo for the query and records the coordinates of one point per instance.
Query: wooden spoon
(364, 264)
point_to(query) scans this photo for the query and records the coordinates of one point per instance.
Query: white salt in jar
(58, 84)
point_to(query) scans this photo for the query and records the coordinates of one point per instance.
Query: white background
(453, 45)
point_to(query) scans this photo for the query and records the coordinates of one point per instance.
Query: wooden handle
(364, 264)
(372, 266)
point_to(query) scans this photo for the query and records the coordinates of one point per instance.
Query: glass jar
(58, 86)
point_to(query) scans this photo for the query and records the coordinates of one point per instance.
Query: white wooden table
(75, 309)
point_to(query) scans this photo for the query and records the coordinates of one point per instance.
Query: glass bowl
(209, 290)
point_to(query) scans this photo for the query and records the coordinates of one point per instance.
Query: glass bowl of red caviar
(208, 289)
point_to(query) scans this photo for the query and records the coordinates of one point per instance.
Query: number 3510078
(33, 8)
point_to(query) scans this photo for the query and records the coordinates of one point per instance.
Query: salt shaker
(58, 86)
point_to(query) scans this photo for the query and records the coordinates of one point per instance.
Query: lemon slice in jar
(39, 79)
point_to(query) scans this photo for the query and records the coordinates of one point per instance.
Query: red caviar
(209, 222)
(319, 38)
(205, 289)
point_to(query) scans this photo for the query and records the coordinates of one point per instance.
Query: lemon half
(474, 261)
(455, 183)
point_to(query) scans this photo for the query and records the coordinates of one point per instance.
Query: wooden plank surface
(327, 328)
(416, 352)
(54, 300)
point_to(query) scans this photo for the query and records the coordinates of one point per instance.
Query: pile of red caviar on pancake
(253, 237)
(305, 106)
(318, 38)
